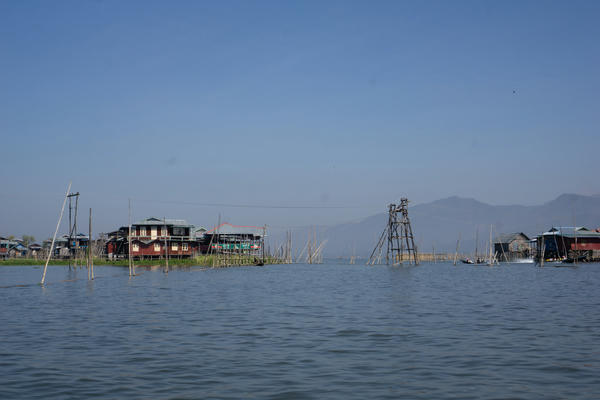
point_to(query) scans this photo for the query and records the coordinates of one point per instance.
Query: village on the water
(155, 238)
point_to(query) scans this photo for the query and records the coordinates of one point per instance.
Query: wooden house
(4, 246)
(232, 238)
(569, 242)
(512, 246)
(154, 238)
(61, 246)
(16, 249)
(35, 250)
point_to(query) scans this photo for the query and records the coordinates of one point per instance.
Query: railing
(158, 237)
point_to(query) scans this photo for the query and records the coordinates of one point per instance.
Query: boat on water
(573, 260)
(469, 261)
(558, 262)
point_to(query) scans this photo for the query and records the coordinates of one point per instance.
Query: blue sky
(316, 103)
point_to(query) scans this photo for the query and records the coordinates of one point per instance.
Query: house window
(184, 247)
(156, 246)
(178, 231)
(136, 247)
(174, 246)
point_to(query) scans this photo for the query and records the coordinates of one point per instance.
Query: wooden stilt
(131, 273)
(90, 258)
(55, 232)
(166, 246)
(457, 246)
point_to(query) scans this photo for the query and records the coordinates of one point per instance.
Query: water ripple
(302, 332)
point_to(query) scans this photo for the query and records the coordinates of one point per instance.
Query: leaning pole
(55, 232)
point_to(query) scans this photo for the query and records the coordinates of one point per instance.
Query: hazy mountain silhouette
(440, 223)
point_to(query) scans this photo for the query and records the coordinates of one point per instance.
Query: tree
(27, 240)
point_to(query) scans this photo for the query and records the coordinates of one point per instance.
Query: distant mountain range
(441, 222)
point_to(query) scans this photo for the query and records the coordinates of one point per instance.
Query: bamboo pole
(75, 229)
(166, 246)
(457, 246)
(490, 260)
(576, 255)
(92, 252)
(90, 257)
(263, 243)
(129, 242)
(543, 250)
(55, 232)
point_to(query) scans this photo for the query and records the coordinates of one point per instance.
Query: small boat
(476, 261)
(572, 260)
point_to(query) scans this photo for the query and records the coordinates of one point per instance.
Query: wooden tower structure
(399, 238)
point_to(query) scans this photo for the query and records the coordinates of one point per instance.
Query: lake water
(326, 331)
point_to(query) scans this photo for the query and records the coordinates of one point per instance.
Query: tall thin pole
(476, 244)
(70, 230)
(75, 228)
(91, 248)
(490, 261)
(55, 232)
(576, 254)
(129, 242)
(166, 246)
(90, 264)
(263, 243)
(542, 250)
(457, 246)
(309, 248)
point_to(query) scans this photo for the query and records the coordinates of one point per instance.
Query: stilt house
(233, 238)
(512, 246)
(154, 238)
(569, 242)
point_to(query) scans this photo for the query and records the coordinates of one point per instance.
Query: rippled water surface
(302, 332)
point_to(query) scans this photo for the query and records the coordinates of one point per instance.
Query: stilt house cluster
(66, 246)
(16, 248)
(155, 238)
(571, 243)
(557, 244)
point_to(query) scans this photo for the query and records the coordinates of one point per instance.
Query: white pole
(131, 271)
(55, 232)
(490, 261)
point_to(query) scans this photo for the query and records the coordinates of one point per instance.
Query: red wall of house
(110, 247)
(585, 246)
(147, 250)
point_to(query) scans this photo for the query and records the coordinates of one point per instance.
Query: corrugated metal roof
(162, 221)
(571, 231)
(229, 229)
(509, 237)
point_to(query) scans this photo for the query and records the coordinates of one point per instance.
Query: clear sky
(280, 103)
